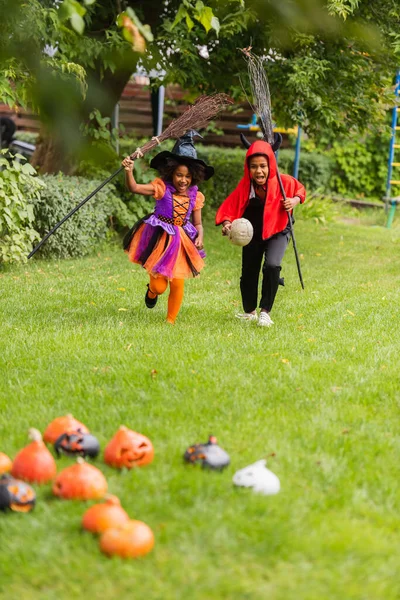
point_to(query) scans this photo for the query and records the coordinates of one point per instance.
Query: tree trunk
(50, 156)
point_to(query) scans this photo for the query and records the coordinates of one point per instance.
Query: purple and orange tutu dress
(163, 242)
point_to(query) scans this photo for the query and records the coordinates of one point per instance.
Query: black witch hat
(185, 153)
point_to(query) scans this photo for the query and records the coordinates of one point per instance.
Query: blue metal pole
(297, 154)
(392, 139)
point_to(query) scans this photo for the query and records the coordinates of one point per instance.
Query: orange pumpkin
(128, 449)
(34, 463)
(62, 425)
(80, 482)
(5, 463)
(131, 540)
(103, 516)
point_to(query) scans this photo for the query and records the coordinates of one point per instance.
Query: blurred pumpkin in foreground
(80, 482)
(5, 463)
(103, 516)
(75, 443)
(61, 425)
(131, 540)
(34, 463)
(16, 495)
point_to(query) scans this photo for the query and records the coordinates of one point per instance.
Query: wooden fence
(136, 116)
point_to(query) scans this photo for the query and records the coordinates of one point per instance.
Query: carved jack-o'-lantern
(128, 449)
(75, 443)
(16, 495)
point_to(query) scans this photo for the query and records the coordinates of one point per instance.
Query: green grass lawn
(318, 395)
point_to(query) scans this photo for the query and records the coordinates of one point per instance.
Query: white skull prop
(241, 232)
(259, 478)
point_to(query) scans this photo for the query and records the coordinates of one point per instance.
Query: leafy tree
(330, 62)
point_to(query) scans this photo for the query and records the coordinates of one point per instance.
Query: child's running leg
(157, 286)
(175, 299)
(274, 252)
(252, 256)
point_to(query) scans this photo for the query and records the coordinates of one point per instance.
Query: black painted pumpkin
(208, 455)
(16, 495)
(76, 443)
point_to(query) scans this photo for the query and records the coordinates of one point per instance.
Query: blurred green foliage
(26, 136)
(330, 63)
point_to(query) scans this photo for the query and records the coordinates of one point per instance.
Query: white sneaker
(247, 316)
(265, 320)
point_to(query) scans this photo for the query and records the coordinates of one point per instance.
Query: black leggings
(272, 250)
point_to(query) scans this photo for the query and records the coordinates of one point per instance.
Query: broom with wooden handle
(194, 117)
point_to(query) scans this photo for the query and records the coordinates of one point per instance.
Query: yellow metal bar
(291, 130)
(396, 145)
(395, 164)
(397, 128)
(394, 182)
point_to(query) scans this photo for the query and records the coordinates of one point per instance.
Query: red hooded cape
(275, 216)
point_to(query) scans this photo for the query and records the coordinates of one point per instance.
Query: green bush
(359, 164)
(360, 167)
(19, 189)
(228, 165)
(82, 233)
(322, 210)
(315, 170)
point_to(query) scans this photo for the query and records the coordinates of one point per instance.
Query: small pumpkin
(16, 495)
(5, 463)
(128, 449)
(208, 455)
(34, 463)
(80, 481)
(103, 516)
(76, 443)
(131, 540)
(61, 425)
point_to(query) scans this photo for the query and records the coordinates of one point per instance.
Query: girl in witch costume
(169, 242)
(258, 198)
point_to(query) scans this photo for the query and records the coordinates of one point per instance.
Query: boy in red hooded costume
(258, 198)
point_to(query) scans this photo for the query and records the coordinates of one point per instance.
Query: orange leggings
(158, 285)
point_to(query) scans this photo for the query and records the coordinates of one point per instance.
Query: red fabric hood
(275, 216)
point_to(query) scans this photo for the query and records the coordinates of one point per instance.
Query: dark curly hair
(196, 170)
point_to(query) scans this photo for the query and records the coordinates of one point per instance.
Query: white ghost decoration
(258, 477)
